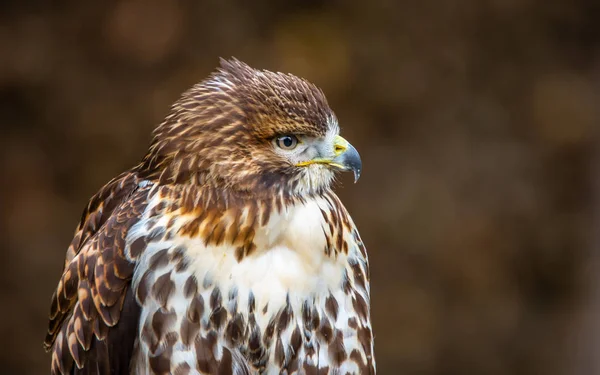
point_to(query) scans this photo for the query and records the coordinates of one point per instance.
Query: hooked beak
(346, 158)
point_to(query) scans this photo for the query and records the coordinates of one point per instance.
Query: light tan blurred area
(477, 122)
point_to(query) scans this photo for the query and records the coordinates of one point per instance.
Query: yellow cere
(340, 145)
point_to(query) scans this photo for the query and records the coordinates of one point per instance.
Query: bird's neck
(240, 219)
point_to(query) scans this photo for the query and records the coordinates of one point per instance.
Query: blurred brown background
(476, 121)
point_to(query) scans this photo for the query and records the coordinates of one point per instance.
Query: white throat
(290, 260)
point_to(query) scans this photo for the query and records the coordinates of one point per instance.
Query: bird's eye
(286, 142)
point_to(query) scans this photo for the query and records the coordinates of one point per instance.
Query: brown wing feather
(93, 292)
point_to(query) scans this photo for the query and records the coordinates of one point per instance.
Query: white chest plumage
(288, 306)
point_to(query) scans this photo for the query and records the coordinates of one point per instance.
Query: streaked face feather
(221, 133)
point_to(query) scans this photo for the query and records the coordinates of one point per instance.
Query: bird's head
(251, 131)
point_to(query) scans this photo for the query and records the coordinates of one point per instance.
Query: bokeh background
(477, 121)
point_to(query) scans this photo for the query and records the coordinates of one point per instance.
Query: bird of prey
(225, 250)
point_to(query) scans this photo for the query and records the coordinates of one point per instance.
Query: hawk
(225, 250)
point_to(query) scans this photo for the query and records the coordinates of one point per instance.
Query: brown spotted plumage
(224, 251)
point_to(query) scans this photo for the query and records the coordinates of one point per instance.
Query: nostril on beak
(339, 149)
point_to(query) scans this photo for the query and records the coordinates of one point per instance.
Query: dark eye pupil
(286, 142)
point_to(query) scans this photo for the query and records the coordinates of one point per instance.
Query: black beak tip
(356, 174)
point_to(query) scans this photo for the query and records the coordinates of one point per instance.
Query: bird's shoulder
(92, 295)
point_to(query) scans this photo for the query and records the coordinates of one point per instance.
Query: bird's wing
(93, 316)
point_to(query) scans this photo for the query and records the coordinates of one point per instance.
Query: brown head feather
(220, 132)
